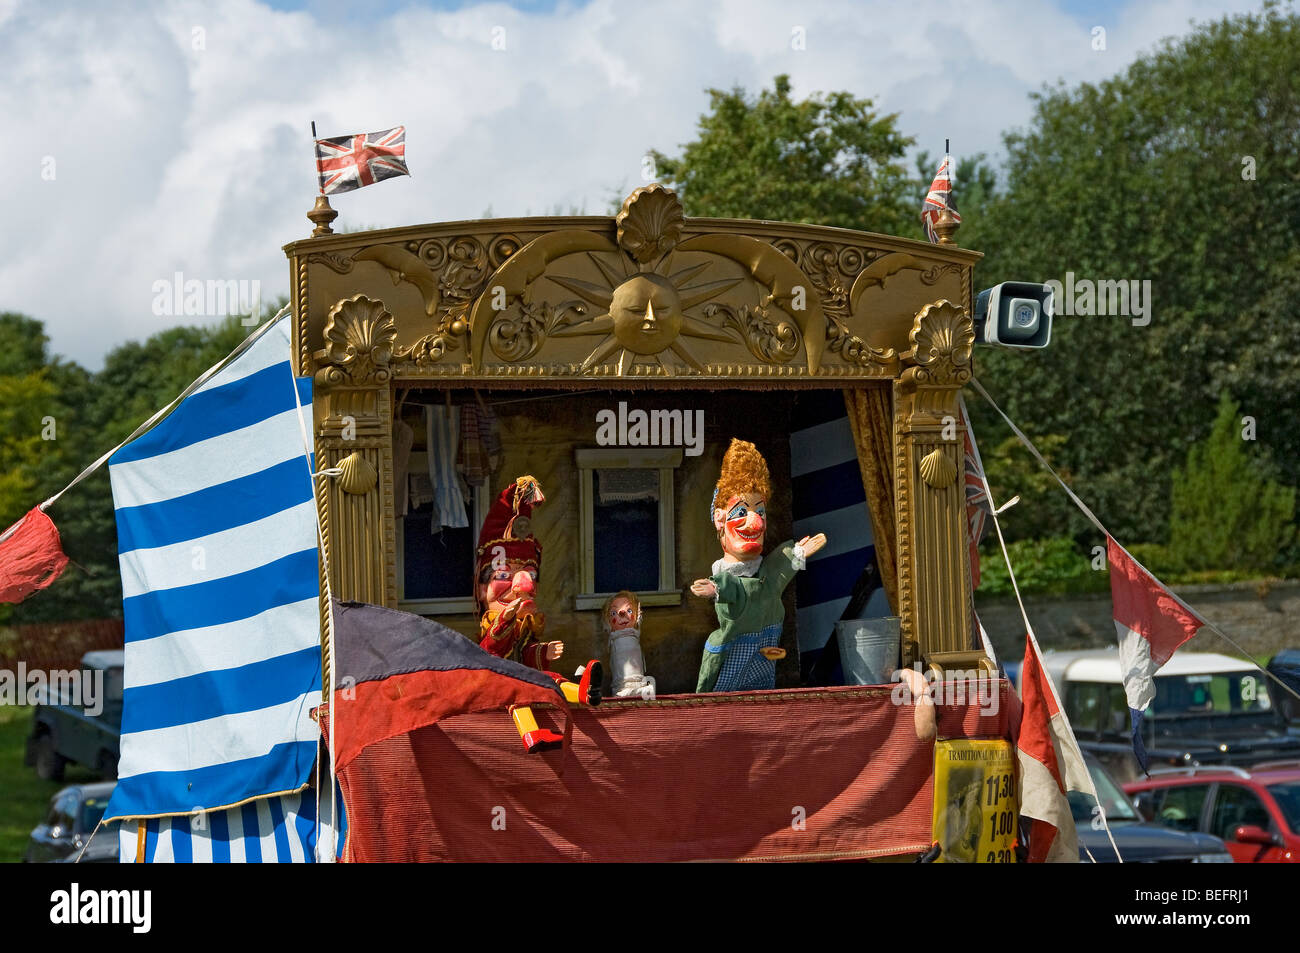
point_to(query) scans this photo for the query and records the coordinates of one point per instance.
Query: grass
(24, 798)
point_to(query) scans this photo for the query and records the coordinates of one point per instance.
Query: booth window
(435, 565)
(626, 517)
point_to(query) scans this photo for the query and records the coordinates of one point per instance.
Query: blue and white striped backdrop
(828, 497)
(275, 830)
(217, 549)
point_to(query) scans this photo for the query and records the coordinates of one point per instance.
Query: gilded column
(353, 425)
(929, 458)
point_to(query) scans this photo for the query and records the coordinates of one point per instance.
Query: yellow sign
(975, 801)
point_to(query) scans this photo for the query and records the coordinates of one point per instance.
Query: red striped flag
(1151, 623)
(1050, 766)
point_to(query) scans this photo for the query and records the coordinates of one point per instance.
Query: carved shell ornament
(359, 338)
(650, 222)
(942, 339)
(937, 469)
(357, 474)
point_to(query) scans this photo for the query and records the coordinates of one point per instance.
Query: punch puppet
(507, 566)
(741, 653)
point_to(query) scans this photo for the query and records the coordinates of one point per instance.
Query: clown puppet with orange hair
(741, 653)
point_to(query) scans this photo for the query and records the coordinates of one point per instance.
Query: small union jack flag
(939, 197)
(349, 162)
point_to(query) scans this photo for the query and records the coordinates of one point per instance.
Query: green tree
(1183, 171)
(1226, 513)
(827, 159)
(90, 414)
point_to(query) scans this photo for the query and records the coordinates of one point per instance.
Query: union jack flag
(349, 162)
(978, 506)
(939, 197)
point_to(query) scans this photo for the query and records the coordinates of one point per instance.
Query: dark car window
(1117, 715)
(1287, 796)
(1235, 806)
(92, 809)
(1219, 693)
(1146, 802)
(1181, 806)
(1086, 701)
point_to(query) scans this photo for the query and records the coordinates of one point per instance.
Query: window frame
(442, 605)
(664, 459)
(1212, 821)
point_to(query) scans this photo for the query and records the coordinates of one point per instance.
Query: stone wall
(1261, 617)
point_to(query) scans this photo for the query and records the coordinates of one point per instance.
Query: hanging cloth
(628, 486)
(480, 443)
(442, 431)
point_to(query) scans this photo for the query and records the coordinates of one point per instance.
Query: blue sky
(170, 136)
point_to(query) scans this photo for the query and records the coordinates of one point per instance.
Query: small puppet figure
(506, 569)
(622, 619)
(742, 652)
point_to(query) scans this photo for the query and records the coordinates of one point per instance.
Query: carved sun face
(648, 313)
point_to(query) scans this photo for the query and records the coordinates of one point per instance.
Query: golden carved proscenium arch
(641, 306)
(595, 301)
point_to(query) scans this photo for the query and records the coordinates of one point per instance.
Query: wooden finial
(322, 214)
(945, 226)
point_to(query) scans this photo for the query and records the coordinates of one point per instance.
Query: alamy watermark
(79, 688)
(1126, 297)
(651, 428)
(210, 298)
(958, 689)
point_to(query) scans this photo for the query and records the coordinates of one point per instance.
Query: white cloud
(180, 131)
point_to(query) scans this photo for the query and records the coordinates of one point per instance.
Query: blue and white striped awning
(267, 831)
(217, 549)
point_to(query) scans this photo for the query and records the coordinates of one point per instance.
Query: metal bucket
(868, 649)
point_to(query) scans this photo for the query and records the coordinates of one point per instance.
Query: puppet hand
(810, 544)
(704, 587)
(509, 612)
(554, 650)
(924, 720)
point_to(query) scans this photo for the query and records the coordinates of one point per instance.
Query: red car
(1255, 812)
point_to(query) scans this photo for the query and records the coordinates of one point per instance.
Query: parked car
(1208, 709)
(1285, 665)
(1139, 840)
(64, 732)
(1256, 812)
(74, 813)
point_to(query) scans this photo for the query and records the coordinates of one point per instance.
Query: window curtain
(870, 410)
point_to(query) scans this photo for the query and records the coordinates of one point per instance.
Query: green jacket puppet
(741, 653)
